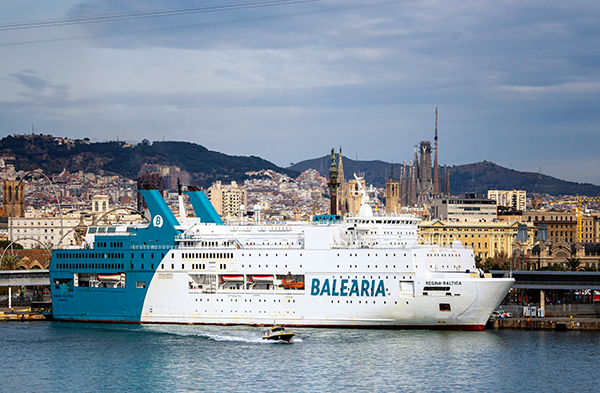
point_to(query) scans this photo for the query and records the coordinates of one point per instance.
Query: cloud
(514, 81)
(28, 79)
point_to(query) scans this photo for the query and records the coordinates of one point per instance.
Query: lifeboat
(109, 277)
(262, 279)
(239, 278)
(291, 283)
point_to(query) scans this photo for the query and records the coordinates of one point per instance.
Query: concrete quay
(546, 323)
(20, 313)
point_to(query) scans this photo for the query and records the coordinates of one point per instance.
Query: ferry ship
(362, 271)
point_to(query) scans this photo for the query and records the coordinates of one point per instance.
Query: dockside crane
(579, 201)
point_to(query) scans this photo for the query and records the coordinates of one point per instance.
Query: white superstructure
(363, 271)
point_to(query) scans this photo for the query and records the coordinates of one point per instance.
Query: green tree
(9, 262)
(553, 267)
(5, 243)
(573, 264)
(499, 261)
(591, 268)
(478, 260)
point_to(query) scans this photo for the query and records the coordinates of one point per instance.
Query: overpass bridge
(13, 278)
(556, 292)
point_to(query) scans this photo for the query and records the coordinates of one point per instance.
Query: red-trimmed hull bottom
(394, 327)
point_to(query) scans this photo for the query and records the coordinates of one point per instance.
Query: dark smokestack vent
(542, 235)
(522, 234)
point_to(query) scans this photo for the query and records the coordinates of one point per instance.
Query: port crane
(579, 201)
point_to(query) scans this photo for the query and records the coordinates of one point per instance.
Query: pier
(547, 323)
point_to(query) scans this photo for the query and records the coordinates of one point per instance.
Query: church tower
(343, 189)
(13, 192)
(392, 194)
(333, 184)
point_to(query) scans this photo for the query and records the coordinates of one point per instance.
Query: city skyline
(516, 84)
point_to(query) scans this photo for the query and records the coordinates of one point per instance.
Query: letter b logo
(314, 288)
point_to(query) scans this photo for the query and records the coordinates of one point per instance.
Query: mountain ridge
(466, 178)
(53, 155)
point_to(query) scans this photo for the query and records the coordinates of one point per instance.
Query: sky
(516, 83)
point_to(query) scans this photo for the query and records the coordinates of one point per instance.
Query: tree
(9, 262)
(499, 261)
(478, 260)
(5, 243)
(553, 267)
(588, 268)
(573, 264)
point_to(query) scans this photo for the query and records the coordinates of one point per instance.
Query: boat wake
(245, 335)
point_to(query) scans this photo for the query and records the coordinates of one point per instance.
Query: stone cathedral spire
(436, 168)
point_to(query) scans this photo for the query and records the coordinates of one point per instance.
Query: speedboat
(278, 333)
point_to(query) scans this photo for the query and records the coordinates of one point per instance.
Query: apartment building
(517, 199)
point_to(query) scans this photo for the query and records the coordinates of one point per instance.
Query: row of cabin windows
(162, 255)
(112, 244)
(443, 255)
(90, 255)
(393, 222)
(204, 255)
(90, 266)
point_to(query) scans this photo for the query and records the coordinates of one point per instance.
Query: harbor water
(58, 356)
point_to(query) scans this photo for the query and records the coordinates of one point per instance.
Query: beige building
(227, 199)
(38, 229)
(516, 199)
(485, 238)
(37, 232)
(562, 226)
(475, 208)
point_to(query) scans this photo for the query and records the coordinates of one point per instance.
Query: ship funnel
(162, 220)
(203, 208)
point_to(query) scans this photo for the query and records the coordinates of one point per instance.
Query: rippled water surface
(56, 356)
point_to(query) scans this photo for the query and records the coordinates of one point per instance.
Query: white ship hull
(361, 272)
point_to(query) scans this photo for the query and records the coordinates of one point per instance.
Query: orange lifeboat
(291, 283)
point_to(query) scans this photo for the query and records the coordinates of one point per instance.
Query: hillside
(205, 166)
(376, 172)
(483, 176)
(477, 177)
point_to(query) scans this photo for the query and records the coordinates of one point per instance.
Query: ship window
(182, 266)
(140, 284)
(142, 266)
(445, 307)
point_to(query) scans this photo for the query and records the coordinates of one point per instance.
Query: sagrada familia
(418, 184)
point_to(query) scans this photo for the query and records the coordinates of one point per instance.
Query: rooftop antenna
(436, 169)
